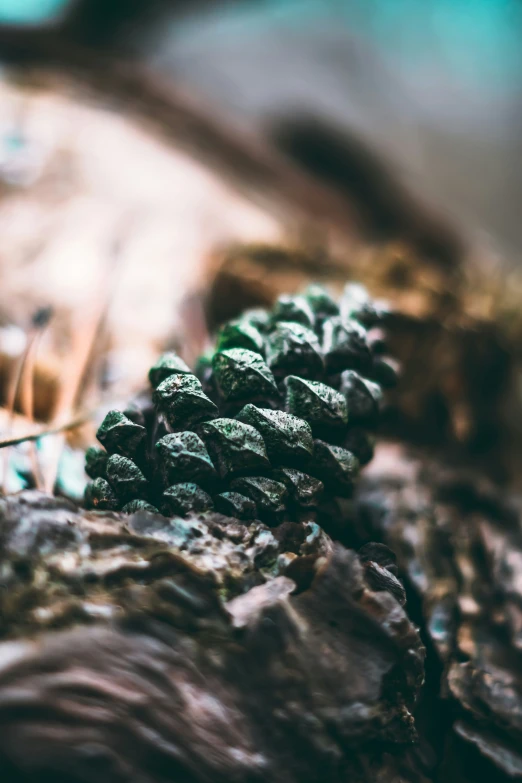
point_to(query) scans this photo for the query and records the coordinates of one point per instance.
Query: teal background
(480, 40)
(30, 12)
(476, 39)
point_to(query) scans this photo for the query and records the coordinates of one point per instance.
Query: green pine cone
(276, 424)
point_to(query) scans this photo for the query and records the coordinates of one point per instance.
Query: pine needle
(39, 322)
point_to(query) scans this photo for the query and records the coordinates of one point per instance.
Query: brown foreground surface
(129, 659)
(145, 649)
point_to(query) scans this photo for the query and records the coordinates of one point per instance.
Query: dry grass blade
(40, 321)
(22, 381)
(83, 343)
(83, 348)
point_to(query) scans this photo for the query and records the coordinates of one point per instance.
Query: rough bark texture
(458, 541)
(142, 649)
(145, 649)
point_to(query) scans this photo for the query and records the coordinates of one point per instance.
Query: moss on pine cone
(274, 423)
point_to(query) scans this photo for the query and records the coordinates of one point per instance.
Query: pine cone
(276, 419)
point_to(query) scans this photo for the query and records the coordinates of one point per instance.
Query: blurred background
(165, 163)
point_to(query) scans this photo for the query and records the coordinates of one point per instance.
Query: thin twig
(35, 436)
